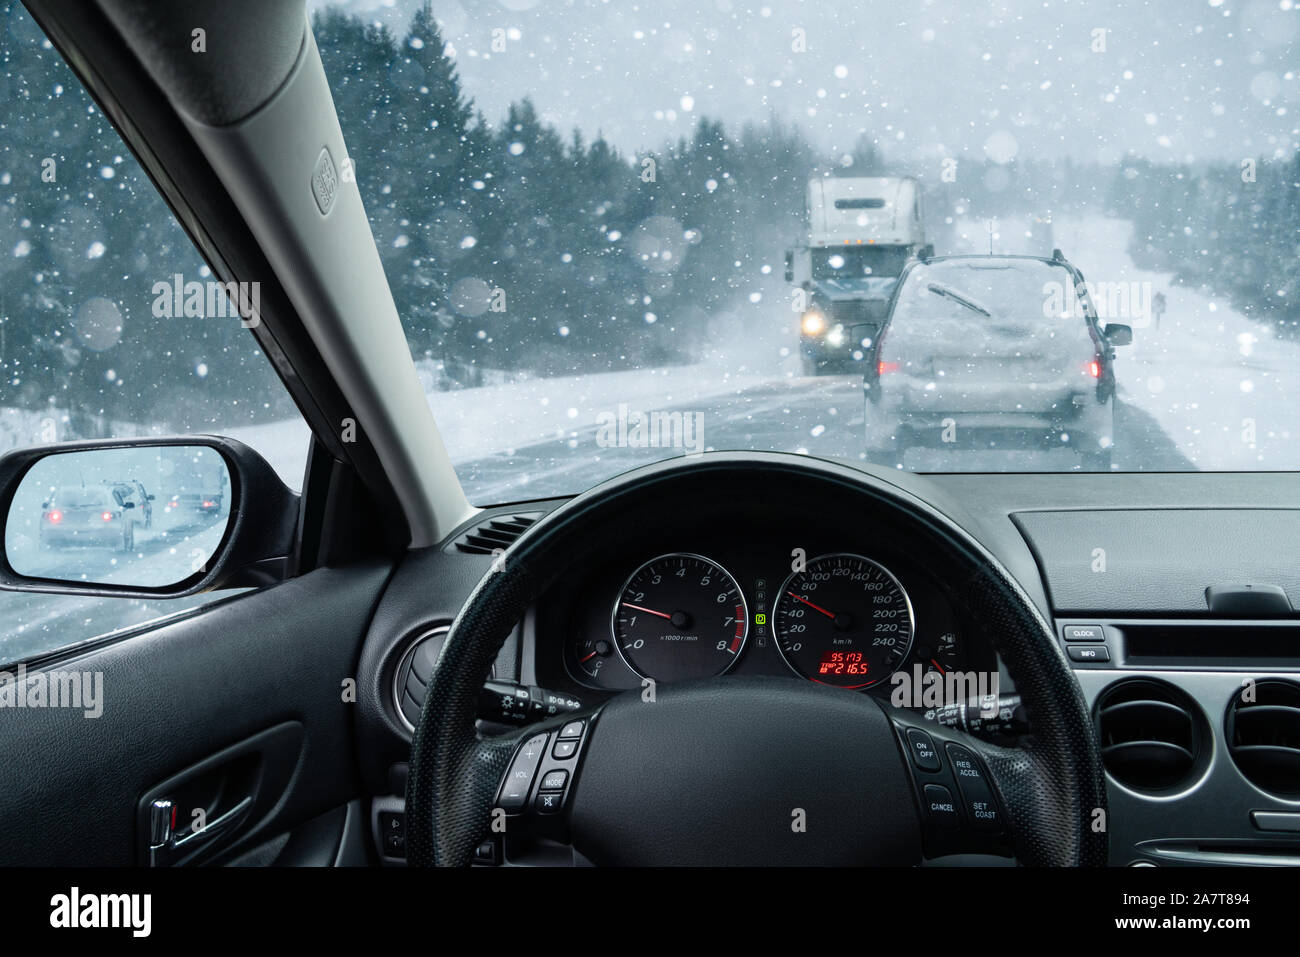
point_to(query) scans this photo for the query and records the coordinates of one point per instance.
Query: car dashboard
(1170, 596)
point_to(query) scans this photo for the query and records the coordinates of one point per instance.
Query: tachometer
(680, 616)
(843, 620)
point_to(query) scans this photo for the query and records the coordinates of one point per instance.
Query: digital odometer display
(843, 620)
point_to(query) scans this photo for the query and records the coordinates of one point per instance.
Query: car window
(604, 222)
(111, 325)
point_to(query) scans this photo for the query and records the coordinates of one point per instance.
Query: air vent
(1151, 735)
(497, 532)
(1263, 732)
(413, 673)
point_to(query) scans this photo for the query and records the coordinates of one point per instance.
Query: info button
(1084, 633)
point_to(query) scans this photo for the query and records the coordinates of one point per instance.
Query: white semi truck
(861, 230)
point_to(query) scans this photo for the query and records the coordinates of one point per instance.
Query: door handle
(166, 846)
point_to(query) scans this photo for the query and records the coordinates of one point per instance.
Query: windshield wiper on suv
(958, 298)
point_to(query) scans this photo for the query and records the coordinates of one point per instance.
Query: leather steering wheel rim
(1052, 786)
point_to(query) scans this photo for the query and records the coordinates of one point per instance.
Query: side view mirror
(789, 266)
(150, 498)
(80, 547)
(1118, 334)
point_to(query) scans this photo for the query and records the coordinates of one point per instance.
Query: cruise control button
(572, 730)
(976, 794)
(1088, 652)
(514, 790)
(564, 749)
(921, 748)
(548, 802)
(1084, 633)
(940, 807)
(554, 780)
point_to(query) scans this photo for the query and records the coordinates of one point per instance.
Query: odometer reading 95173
(844, 621)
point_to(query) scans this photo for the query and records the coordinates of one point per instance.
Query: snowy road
(1208, 389)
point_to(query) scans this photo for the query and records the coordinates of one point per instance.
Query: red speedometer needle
(648, 611)
(828, 614)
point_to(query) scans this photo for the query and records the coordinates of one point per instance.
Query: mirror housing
(254, 551)
(1118, 334)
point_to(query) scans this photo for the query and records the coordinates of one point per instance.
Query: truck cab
(861, 232)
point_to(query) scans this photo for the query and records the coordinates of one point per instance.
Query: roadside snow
(1222, 386)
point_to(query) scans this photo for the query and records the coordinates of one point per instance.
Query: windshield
(611, 229)
(858, 262)
(80, 498)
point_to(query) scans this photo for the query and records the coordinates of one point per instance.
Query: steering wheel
(755, 770)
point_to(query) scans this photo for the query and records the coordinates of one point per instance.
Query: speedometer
(843, 620)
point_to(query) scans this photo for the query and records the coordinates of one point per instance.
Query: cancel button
(976, 794)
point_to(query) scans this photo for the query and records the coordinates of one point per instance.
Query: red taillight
(209, 504)
(55, 517)
(106, 516)
(1094, 369)
(882, 367)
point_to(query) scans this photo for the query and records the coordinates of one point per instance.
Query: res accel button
(976, 795)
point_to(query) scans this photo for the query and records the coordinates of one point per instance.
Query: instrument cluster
(842, 617)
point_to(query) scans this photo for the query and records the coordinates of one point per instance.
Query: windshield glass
(80, 498)
(614, 231)
(858, 262)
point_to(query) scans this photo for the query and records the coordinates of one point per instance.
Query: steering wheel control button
(554, 780)
(940, 807)
(976, 794)
(1089, 653)
(921, 747)
(572, 730)
(514, 790)
(1084, 633)
(548, 802)
(564, 749)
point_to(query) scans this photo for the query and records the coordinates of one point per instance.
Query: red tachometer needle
(648, 611)
(828, 614)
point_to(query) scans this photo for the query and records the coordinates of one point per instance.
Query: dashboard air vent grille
(1263, 733)
(414, 672)
(499, 531)
(1150, 734)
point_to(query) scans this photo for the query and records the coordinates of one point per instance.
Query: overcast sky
(1177, 80)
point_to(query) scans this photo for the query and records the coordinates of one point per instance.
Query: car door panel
(172, 698)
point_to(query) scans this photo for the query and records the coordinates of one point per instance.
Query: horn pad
(745, 771)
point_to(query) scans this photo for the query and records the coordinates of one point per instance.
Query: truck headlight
(835, 337)
(813, 323)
